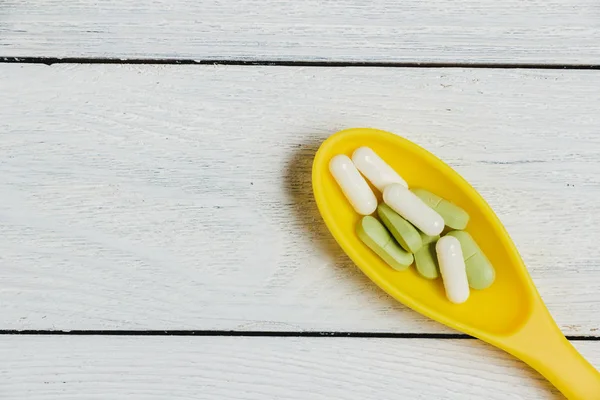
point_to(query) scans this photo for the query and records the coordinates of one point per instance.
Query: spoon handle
(541, 344)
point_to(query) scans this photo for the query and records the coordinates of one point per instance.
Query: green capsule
(405, 234)
(426, 258)
(377, 238)
(480, 272)
(454, 216)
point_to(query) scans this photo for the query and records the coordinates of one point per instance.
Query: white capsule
(452, 268)
(353, 185)
(412, 208)
(377, 171)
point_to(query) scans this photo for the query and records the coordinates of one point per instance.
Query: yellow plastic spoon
(509, 315)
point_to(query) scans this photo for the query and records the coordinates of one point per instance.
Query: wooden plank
(100, 367)
(482, 31)
(179, 197)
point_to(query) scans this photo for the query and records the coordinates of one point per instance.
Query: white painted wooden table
(158, 234)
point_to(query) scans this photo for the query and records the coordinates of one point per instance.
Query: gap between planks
(217, 333)
(275, 63)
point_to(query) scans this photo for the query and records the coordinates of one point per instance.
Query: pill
(405, 234)
(377, 238)
(353, 185)
(452, 269)
(454, 216)
(413, 209)
(377, 171)
(480, 272)
(467, 244)
(426, 259)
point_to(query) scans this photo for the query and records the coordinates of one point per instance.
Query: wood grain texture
(488, 31)
(130, 368)
(172, 197)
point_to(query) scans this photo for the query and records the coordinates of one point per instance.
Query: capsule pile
(408, 226)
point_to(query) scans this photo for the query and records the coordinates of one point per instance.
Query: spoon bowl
(509, 314)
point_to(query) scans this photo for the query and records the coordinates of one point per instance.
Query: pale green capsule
(454, 216)
(426, 261)
(480, 272)
(426, 258)
(377, 238)
(405, 234)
